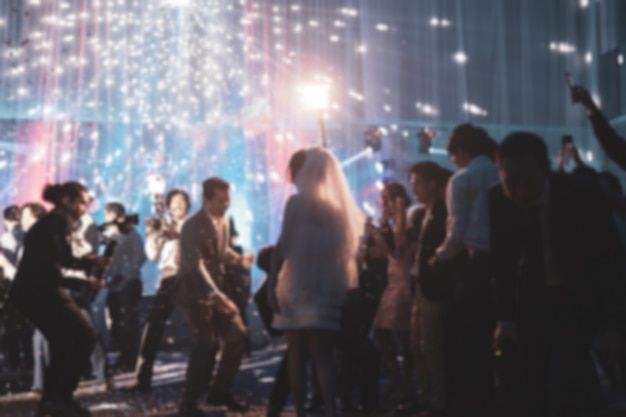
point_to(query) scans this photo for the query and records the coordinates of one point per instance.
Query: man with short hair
(559, 268)
(162, 246)
(205, 250)
(471, 150)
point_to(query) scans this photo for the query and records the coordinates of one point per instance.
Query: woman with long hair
(38, 292)
(314, 265)
(393, 318)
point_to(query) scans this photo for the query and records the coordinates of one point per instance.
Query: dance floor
(253, 383)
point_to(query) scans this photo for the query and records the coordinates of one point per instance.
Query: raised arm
(612, 143)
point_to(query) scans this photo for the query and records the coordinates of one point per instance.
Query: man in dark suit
(204, 254)
(559, 276)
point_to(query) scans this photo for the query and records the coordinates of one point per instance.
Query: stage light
(588, 58)
(366, 153)
(425, 136)
(562, 47)
(314, 96)
(355, 95)
(349, 12)
(425, 108)
(460, 57)
(373, 138)
(474, 109)
(620, 59)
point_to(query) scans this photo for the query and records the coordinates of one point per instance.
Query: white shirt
(168, 259)
(222, 227)
(81, 246)
(468, 216)
(8, 241)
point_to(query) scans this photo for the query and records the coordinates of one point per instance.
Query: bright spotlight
(314, 96)
(460, 57)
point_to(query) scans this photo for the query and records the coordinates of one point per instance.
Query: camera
(155, 224)
(124, 223)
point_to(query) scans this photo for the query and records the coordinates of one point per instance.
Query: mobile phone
(567, 140)
(567, 144)
(568, 80)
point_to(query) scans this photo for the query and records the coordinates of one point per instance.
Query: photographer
(162, 247)
(38, 292)
(124, 284)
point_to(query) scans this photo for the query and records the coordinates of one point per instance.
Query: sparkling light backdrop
(111, 91)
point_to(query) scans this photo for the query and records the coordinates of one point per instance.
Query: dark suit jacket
(46, 250)
(198, 242)
(434, 286)
(585, 244)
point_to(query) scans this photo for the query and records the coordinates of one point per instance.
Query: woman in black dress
(38, 292)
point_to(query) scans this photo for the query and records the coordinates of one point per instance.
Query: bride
(314, 265)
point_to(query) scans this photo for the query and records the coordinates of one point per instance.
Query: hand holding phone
(565, 154)
(579, 94)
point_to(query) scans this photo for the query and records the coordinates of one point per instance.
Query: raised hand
(581, 95)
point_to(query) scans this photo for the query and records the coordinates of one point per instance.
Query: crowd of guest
(499, 293)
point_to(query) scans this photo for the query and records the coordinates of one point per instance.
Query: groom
(204, 253)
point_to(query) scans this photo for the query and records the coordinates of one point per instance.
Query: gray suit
(199, 242)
